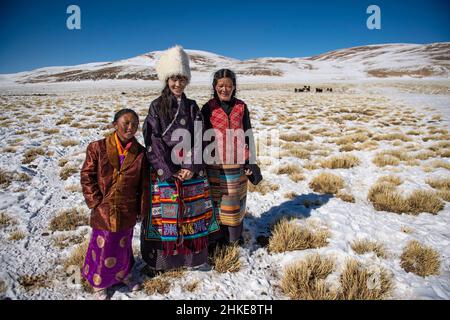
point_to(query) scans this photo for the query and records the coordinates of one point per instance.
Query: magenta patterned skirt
(109, 258)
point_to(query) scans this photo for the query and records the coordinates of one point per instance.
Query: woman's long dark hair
(165, 111)
(224, 73)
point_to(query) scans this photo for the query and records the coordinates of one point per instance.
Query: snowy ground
(32, 204)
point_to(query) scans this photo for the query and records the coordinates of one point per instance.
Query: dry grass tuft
(326, 183)
(6, 220)
(340, 162)
(369, 145)
(441, 164)
(62, 162)
(394, 180)
(64, 241)
(420, 259)
(2, 287)
(293, 171)
(69, 219)
(439, 146)
(21, 177)
(364, 246)
(437, 130)
(226, 259)
(298, 137)
(392, 136)
(68, 171)
(399, 153)
(77, 255)
(437, 117)
(414, 132)
(192, 286)
(174, 273)
(31, 282)
(156, 285)
(291, 150)
(412, 163)
(305, 279)
(5, 179)
(385, 197)
(9, 149)
(427, 169)
(424, 201)
(288, 169)
(296, 177)
(382, 160)
(444, 194)
(31, 154)
(90, 126)
(65, 120)
(424, 155)
(263, 187)
(412, 147)
(345, 196)
(34, 120)
(17, 235)
(76, 259)
(444, 153)
(360, 283)
(351, 139)
(310, 165)
(349, 147)
(50, 130)
(443, 137)
(289, 236)
(70, 143)
(162, 283)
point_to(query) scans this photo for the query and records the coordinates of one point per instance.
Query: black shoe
(149, 272)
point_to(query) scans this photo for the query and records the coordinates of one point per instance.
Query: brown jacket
(117, 196)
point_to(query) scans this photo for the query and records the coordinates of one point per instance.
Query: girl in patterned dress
(115, 187)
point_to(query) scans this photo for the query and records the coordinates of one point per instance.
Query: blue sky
(34, 34)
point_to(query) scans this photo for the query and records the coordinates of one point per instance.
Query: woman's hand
(184, 174)
(248, 172)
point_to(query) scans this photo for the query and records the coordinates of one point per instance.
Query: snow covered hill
(372, 61)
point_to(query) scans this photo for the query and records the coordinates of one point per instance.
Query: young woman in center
(175, 230)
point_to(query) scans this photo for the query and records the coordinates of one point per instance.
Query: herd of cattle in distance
(308, 89)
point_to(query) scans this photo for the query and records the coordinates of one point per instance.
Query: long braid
(166, 111)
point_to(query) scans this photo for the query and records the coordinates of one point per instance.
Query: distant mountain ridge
(371, 61)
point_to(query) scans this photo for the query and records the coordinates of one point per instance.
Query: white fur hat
(172, 62)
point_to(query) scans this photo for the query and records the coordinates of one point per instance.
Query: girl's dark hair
(165, 111)
(224, 73)
(123, 112)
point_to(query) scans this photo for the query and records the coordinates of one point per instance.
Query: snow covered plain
(70, 115)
